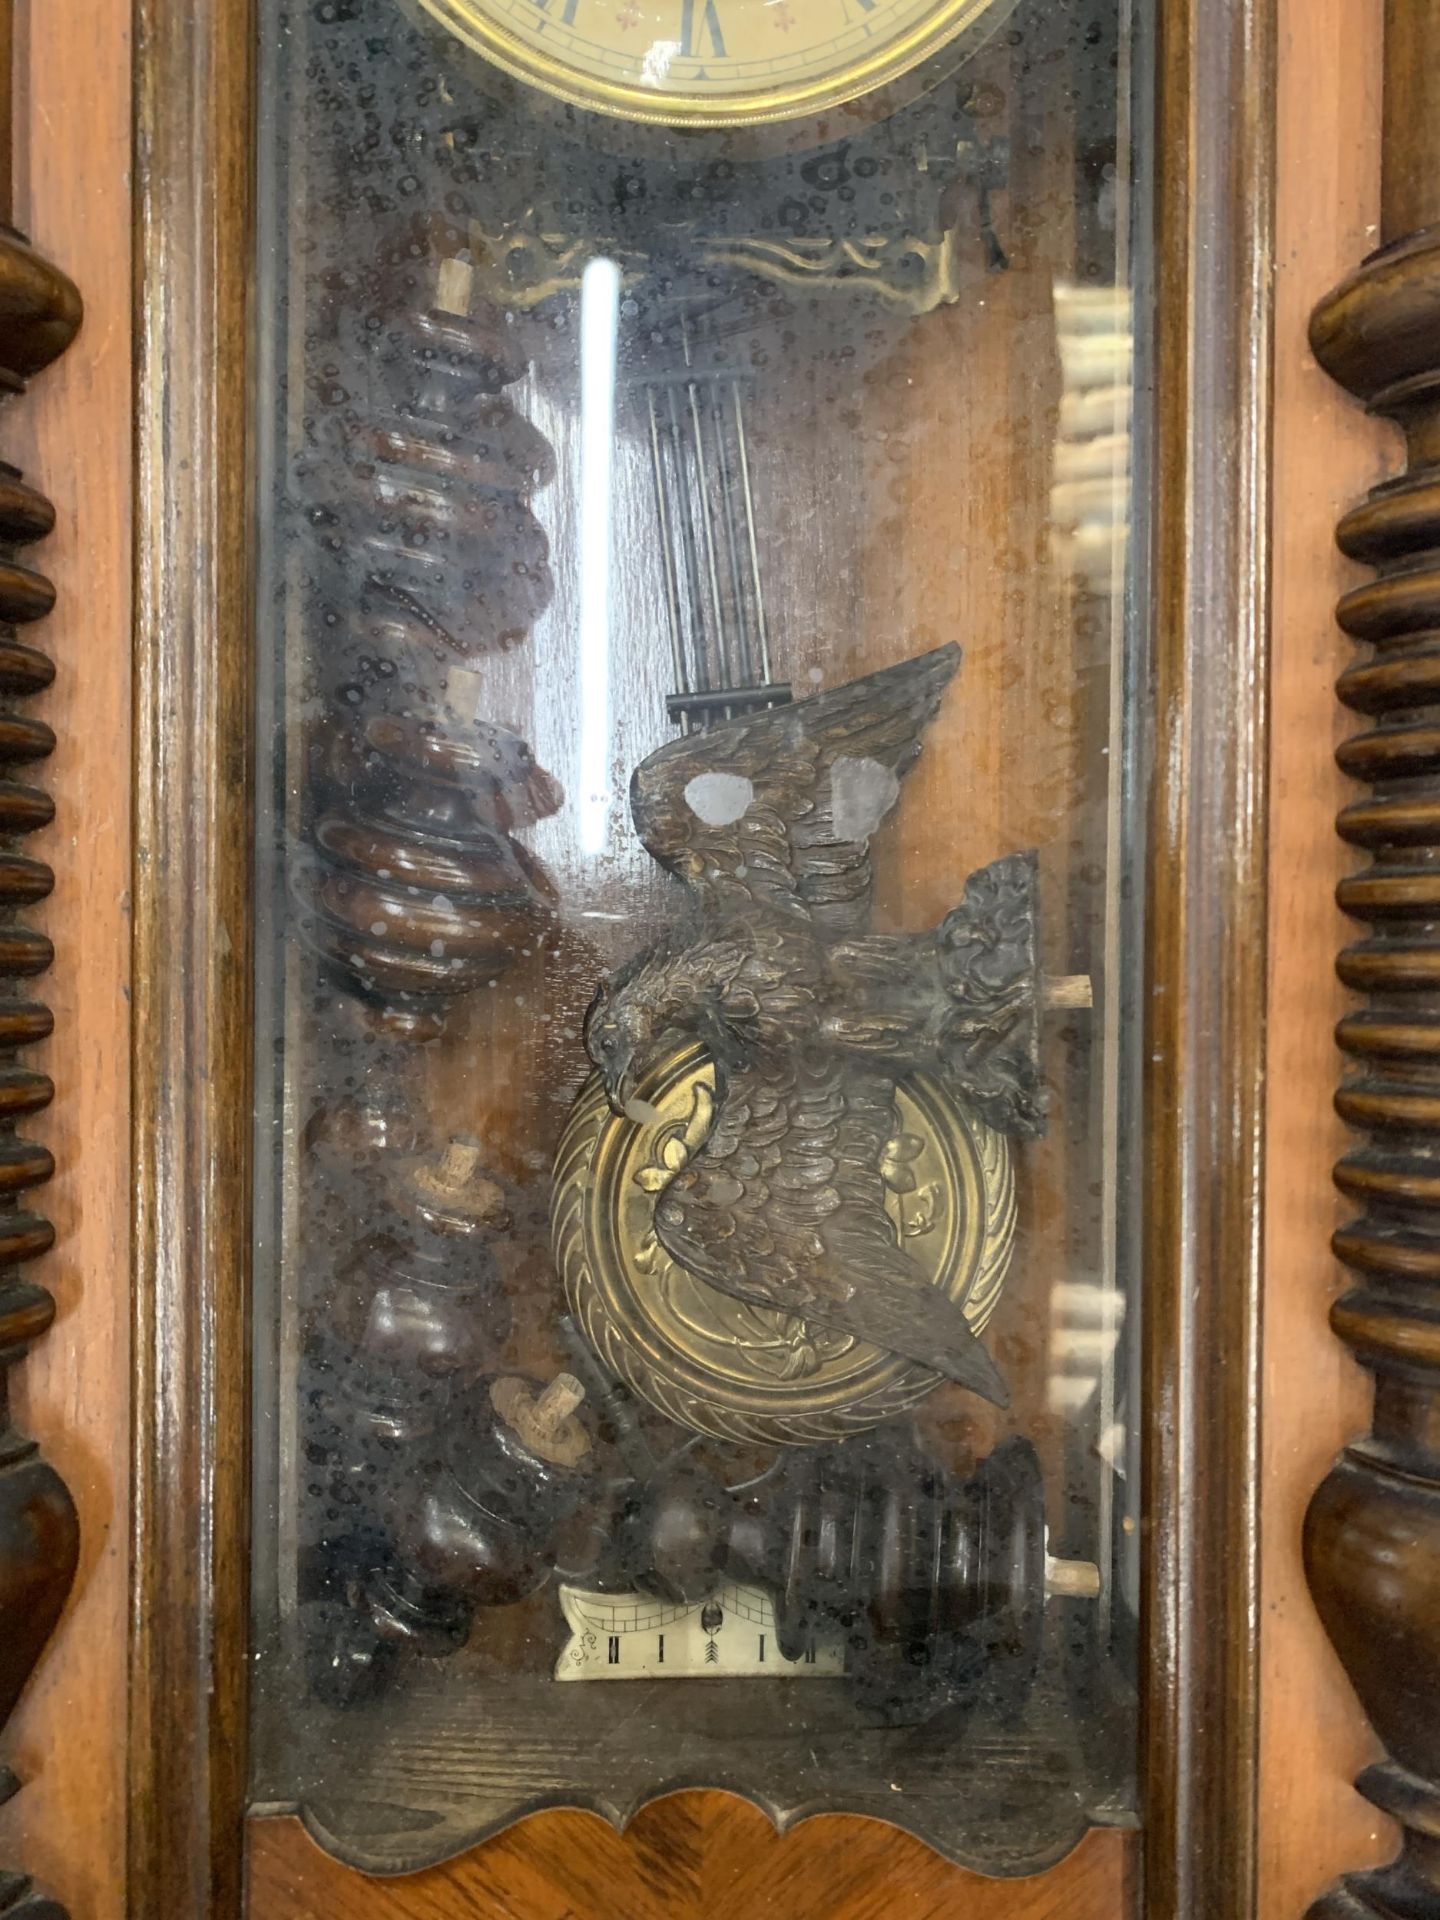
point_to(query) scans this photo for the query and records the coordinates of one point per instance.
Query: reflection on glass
(697, 963)
(599, 333)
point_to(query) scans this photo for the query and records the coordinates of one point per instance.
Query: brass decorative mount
(731, 1218)
(748, 1373)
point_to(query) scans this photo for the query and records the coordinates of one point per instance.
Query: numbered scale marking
(627, 1636)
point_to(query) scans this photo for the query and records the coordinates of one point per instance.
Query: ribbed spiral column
(39, 1537)
(1373, 1531)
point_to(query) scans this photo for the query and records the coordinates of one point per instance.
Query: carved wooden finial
(421, 893)
(940, 1584)
(457, 1163)
(545, 1422)
(454, 282)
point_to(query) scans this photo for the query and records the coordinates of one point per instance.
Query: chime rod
(705, 505)
(708, 531)
(732, 536)
(672, 588)
(694, 579)
(707, 526)
(742, 448)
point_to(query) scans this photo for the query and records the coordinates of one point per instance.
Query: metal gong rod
(684, 516)
(707, 532)
(744, 665)
(743, 453)
(667, 555)
(710, 549)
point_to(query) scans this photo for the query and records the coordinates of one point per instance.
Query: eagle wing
(784, 1206)
(776, 809)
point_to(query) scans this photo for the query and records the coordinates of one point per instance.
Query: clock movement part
(937, 1584)
(466, 1516)
(694, 421)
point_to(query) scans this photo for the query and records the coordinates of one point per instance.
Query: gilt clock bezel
(949, 26)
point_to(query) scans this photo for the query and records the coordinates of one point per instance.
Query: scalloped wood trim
(693, 1856)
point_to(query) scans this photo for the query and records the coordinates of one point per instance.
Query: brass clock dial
(711, 63)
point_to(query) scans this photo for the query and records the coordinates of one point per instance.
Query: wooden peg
(1059, 990)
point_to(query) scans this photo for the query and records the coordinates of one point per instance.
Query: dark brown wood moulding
(192, 1024)
(1373, 1531)
(39, 1532)
(1205, 962)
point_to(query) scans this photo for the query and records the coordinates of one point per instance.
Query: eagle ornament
(777, 1195)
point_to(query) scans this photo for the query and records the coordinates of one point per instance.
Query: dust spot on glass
(719, 799)
(862, 792)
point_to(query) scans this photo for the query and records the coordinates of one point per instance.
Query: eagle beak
(624, 1097)
(620, 1091)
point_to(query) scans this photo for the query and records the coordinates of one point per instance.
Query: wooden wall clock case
(1207, 951)
(186, 1776)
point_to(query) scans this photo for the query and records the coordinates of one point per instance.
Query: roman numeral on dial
(692, 32)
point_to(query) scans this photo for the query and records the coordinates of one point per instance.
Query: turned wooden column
(1373, 1532)
(39, 1536)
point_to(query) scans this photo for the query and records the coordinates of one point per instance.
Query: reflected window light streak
(599, 330)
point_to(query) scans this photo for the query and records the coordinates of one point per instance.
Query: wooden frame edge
(1206, 920)
(191, 1047)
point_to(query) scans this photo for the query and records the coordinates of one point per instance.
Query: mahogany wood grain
(693, 1856)
(1410, 171)
(1313, 1738)
(71, 196)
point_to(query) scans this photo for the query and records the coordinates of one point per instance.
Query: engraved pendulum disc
(741, 1372)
